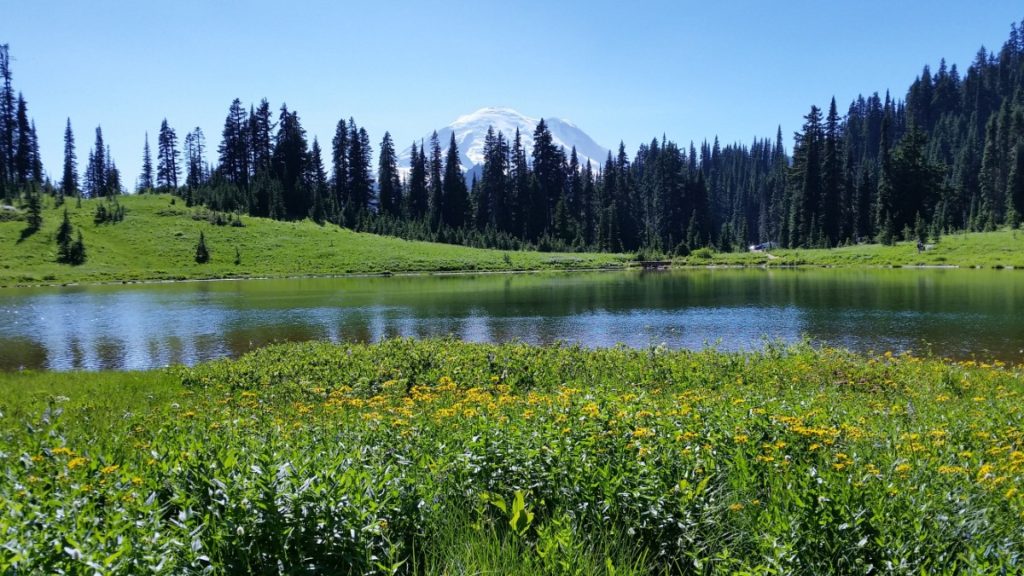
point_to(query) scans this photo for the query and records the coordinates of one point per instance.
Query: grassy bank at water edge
(157, 241)
(999, 249)
(440, 457)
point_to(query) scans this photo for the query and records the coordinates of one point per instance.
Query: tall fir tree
(805, 196)
(360, 180)
(883, 221)
(1015, 188)
(8, 125)
(112, 176)
(195, 165)
(437, 201)
(340, 166)
(456, 196)
(69, 179)
(63, 237)
(519, 188)
(832, 187)
(234, 151)
(167, 159)
(96, 169)
(36, 157)
(22, 144)
(146, 183)
(316, 182)
(261, 138)
(389, 186)
(419, 195)
(290, 157)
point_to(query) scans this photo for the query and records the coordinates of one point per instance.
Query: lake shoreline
(469, 272)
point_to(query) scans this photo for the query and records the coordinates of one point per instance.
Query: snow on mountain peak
(471, 129)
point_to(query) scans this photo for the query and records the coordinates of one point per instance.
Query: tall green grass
(441, 457)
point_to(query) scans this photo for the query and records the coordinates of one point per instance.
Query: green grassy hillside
(157, 241)
(1003, 248)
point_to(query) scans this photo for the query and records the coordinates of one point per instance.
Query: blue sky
(620, 70)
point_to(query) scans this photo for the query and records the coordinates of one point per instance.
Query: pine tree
(360, 181)
(437, 209)
(167, 159)
(624, 204)
(316, 182)
(519, 189)
(35, 214)
(69, 181)
(22, 144)
(832, 174)
(195, 150)
(1015, 188)
(36, 157)
(64, 239)
(494, 205)
(456, 197)
(261, 142)
(806, 181)
(112, 176)
(96, 169)
(884, 223)
(8, 125)
(202, 254)
(419, 197)
(483, 193)
(76, 255)
(290, 158)
(234, 150)
(549, 176)
(146, 177)
(589, 201)
(388, 184)
(339, 165)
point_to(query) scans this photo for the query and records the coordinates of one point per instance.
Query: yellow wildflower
(643, 433)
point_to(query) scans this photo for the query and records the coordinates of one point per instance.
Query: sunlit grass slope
(1003, 248)
(157, 241)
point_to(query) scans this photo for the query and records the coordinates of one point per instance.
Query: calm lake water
(955, 313)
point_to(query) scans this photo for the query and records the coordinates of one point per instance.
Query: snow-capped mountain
(471, 129)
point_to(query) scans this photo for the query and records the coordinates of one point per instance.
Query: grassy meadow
(440, 457)
(1002, 248)
(157, 241)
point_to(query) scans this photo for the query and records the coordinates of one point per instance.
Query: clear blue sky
(620, 70)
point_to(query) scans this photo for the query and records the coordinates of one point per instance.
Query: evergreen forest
(945, 156)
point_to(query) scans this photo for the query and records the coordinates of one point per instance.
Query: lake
(954, 313)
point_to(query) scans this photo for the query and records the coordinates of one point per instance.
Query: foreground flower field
(441, 457)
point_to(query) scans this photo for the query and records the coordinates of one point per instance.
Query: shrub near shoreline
(439, 456)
